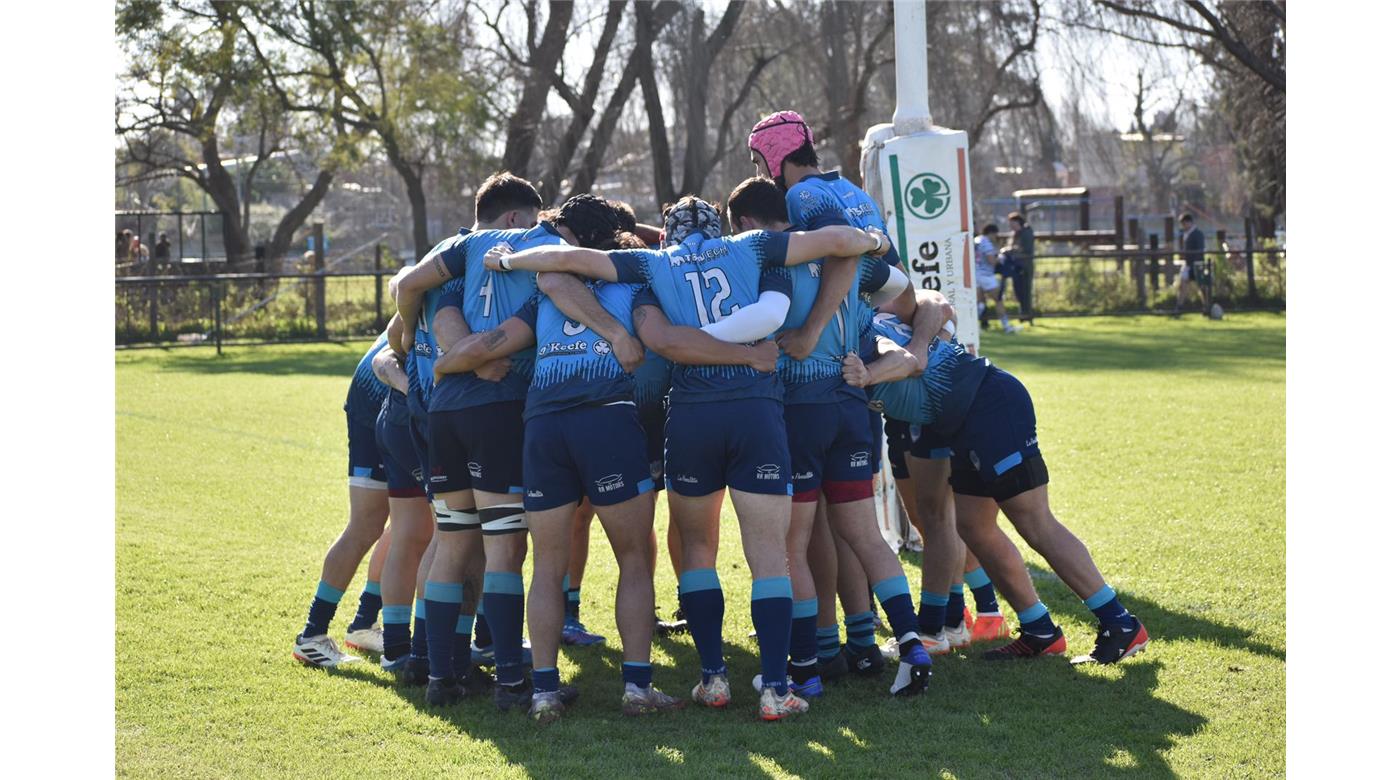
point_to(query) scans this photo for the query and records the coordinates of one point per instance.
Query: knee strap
(503, 519)
(455, 519)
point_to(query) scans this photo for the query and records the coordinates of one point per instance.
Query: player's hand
(495, 370)
(885, 245)
(798, 344)
(629, 353)
(492, 261)
(763, 356)
(853, 370)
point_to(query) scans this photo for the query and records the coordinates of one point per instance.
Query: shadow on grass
(323, 359)
(1038, 718)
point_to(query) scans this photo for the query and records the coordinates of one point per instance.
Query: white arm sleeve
(752, 322)
(893, 287)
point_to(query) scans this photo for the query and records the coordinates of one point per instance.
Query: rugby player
(828, 428)
(369, 511)
(477, 430)
(988, 418)
(725, 425)
(583, 439)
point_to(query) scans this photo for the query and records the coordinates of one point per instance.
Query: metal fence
(263, 308)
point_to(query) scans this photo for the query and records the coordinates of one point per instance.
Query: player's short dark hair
(805, 155)
(626, 217)
(1016, 216)
(502, 192)
(1186, 217)
(625, 240)
(989, 229)
(757, 197)
(593, 220)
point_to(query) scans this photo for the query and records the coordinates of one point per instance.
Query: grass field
(1165, 441)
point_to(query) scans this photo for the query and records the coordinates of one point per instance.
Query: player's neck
(796, 173)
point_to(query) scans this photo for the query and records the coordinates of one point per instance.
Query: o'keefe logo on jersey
(602, 347)
(768, 471)
(928, 195)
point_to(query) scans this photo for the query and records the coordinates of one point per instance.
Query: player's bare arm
(838, 274)
(479, 349)
(581, 305)
(844, 241)
(395, 329)
(408, 287)
(592, 263)
(388, 368)
(694, 347)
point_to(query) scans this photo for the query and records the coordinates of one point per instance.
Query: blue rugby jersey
(488, 298)
(419, 365)
(824, 199)
(652, 379)
(940, 397)
(574, 366)
(366, 392)
(817, 379)
(700, 281)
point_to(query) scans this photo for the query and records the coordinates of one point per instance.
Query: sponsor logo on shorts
(803, 475)
(861, 458)
(1031, 442)
(535, 494)
(438, 478)
(686, 478)
(768, 471)
(976, 461)
(602, 348)
(474, 469)
(609, 483)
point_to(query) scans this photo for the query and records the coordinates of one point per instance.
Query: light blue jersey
(817, 379)
(367, 393)
(940, 397)
(574, 366)
(824, 199)
(419, 365)
(700, 281)
(488, 298)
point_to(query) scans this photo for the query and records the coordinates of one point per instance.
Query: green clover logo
(928, 195)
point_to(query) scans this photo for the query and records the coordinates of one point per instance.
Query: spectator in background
(1018, 265)
(1193, 268)
(139, 253)
(123, 246)
(162, 251)
(985, 249)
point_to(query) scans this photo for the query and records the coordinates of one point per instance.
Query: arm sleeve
(451, 294)
(631, 265)
(873, 275)
(529, 310)
(753, 322)
(770, 247)
(895, 283)
(892, 257)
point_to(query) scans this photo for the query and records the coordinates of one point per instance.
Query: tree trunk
(523, 129)
(224, 192)
(294, 219)
(583, 113)
(844, 136)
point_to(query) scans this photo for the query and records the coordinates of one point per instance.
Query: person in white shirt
(985, 249)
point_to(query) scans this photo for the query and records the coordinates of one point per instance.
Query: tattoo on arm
(494, 338)
(639, 316)
(441, 267)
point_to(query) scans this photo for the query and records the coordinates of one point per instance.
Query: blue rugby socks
(318, 618)
(396, 639)
(982, 591)
(571, 601)
(893, 594)
(462, 645)
(1035, 620)
(804, 640)
(933, 609)
(860, 629)
(443, 604)
(635, 673)
(703, 602)
(771, 608)
(1104, 604)
(828, 641)
(483, 629)
(503, 593)
(420, 628)
(370, 602)
(956, 606)
(545, 680)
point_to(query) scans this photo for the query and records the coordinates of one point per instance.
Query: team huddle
(547, 365)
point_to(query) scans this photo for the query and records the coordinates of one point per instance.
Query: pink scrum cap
(778, 135)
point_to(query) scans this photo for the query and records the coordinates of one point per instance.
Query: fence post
(1152, 245)
(219, 317)
(180, 229)
(1249, 260)
(1118, 239)
(1169, 244)
(378, 288)
(1084, 211)
(155, 311)
(318, 234)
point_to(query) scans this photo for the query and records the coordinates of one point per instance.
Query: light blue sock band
(804, 609)
(771, 588)
(372, 588)
(464, 623)
(699, 579)
(449, 592)
(636, 664)
(325, 592)
(420, 610)
(1032, 613)
(503, 582)
(566, 582)
(1102, 597)
(397, 613)
(956, 587)
(894, 586)
(933, 599)
(977, 578)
